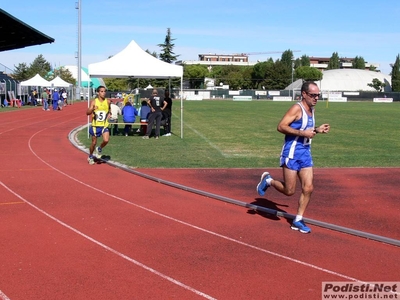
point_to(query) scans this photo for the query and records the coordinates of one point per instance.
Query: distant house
(242, 59)
(321, 63)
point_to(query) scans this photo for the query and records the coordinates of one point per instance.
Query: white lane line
(196, 227)
(151, 270)
(3, 296)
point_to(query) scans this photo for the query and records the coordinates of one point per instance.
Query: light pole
(79, 54)
(292, 81)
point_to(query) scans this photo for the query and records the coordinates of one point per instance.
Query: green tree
(154, 53)
(218, 73)
(305, 61)
(308, 73)
(258, 74)
(63, 73)
(396, 75)
(358, 63)
(39, 66)
(116, 84)
(195, 74)
(334, 61)
(167, 54)
(377, 84)
(21, 72)
(247, 79)
(133, 83)
(278, 76)
(287, 58)
(234, 80)
(302, 61)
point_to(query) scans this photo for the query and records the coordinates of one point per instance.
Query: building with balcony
(321, 63)
(242, 59)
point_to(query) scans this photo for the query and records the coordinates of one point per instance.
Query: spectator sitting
(144, 112)
(128, 116)
(115, 112)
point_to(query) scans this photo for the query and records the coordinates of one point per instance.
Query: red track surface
(73, 231)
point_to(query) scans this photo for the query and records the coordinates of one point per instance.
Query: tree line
(268, 75)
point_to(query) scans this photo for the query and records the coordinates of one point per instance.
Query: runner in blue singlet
(298, 126)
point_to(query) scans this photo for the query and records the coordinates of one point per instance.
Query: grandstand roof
(347, 80)
(16, 34)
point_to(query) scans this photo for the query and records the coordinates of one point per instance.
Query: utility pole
(79, 52)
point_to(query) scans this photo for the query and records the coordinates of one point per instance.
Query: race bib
(101, 115)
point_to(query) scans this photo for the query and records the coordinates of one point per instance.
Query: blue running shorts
(99, 131)
(297, 163)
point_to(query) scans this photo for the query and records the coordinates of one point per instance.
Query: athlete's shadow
(262, 202)
(103, 159)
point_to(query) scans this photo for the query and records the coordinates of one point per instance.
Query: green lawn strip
(235, 134)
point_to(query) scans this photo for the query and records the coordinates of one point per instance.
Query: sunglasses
(313, 95)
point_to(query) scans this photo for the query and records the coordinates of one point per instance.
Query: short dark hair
(306, 86)
(100, 87)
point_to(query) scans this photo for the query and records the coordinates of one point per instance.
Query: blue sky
(317, 28)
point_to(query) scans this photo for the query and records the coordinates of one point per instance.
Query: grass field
(234, 134)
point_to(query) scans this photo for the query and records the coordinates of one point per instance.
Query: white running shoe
(91, 160)
(97, 152)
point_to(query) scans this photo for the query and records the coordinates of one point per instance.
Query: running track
(73, 231)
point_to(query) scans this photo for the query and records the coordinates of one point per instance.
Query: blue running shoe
(262, 186)
(300, 226)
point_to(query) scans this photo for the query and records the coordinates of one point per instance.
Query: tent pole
(88, 103)
(181, 96)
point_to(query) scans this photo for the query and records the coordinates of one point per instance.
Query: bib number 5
(101, 116)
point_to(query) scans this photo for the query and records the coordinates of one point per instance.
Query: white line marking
(207, 140)
(151, 270)
(3, 296)
(194, 226)
(169, 218)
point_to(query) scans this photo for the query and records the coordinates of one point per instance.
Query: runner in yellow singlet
(99, 109)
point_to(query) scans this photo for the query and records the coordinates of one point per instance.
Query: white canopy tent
(59, 82)
(133, 62)
(37, 80)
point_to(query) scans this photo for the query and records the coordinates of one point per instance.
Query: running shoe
(91, 160)
(145, 137)
(97, 152)
(262, 186)
(300, 226)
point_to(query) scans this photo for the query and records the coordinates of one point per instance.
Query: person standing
(167, 112)
(55, 97)
(298, 126)
(156, 107)
(34, 97)
(64, 96)
(99, 109)
(45, 98)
